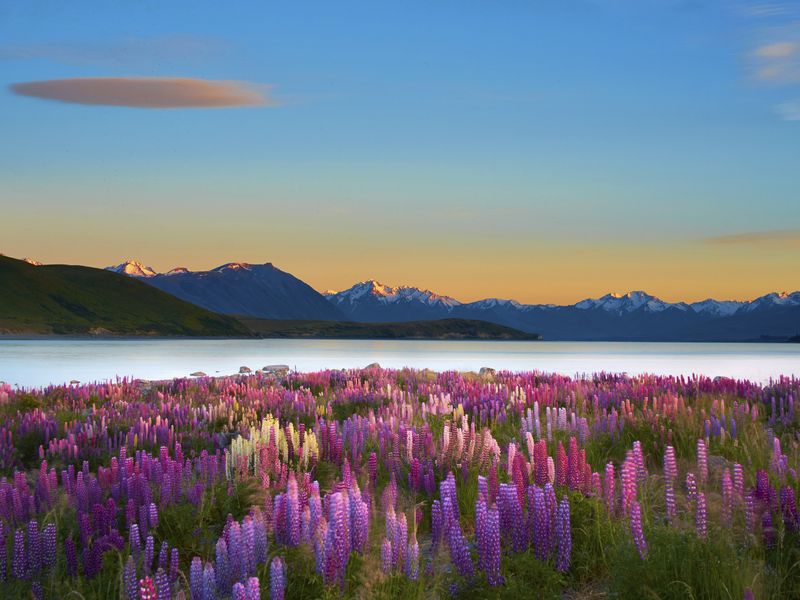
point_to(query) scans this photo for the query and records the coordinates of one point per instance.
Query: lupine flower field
(381, 483)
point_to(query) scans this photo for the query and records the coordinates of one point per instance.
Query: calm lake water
(42, 362)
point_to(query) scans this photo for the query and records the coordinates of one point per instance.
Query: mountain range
(267, 292)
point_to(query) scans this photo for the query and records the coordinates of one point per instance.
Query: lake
(41, 362)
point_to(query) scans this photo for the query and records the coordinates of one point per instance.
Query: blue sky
(569, 147)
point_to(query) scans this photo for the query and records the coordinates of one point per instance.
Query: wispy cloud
(148, 92)
(778, 237)
(777, 59)
(136, 51)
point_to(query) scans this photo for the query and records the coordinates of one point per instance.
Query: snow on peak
(774, 299)
(233, 266)
(177, 271)
(487, 303)
(629, 302)
(386, 294)
(133, 268)
(719, 308)
(32, 261)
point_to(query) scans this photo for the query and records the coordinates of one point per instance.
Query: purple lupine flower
(636, 529)
(670, 465)
(239, 592)
(20, 560)
(277, 579)
(511, 517)
(700, 519)
(174, 565)
(768, 529)
(727, 498)
(491, 551)
(196, 579)
(34, 547)
(738, 481)
(748, 594)
(459, 552)
(71, 555)
(3, 554)
(386, 555)
(541, 524)
(49, 546)
(253, 589)
(789, 508)
(480, 530)
(209, 582)
(702, 461)
(163, 588)
(669, 500)
(222, 567)
(564, 537)
(131, 580)
(152, 516)
(412, 559)
(37, 591)
(163, 555)
(436, 525)
(149, 554)
(691, 487)
(135, 541)
(628, 482)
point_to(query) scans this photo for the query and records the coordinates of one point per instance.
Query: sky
(541, 151)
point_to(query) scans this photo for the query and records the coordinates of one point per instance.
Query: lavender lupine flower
(436, 525)
(670, 465)
(174, 565)
(459, 552)
(386, 555)
(131, 580)
(253, 589)
(135, 541)
(700, 516)
(20, 560)
(492, 548)
(738, 481)
(636, 529)
(628, 482)
(239, 592)
(209, 582)
(512, 517)
(480, 531)
(163, 588)
(412, 558)
(691, 487)
(702, 461)
(277, 579)
(149, 554)
(789, 508)
(669, 500)
(222, 568)
(196, 579)
(564, 537)
(34, 548)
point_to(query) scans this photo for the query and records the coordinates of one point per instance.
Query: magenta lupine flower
(147, 589)
(609, 491)
(196, 579)
(372, 468)
(561, 465)
(700, 516)
(702, 461)
(638, 456)
(131, 580)
(564, 537)
(628, 482)
(20, 560)
(636, 529)
(670, 465)
(386, 555)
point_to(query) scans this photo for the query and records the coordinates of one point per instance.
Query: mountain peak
(134, 268)
(32, 261)
(627, 302)
(386, 294)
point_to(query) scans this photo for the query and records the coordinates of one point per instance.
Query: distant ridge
(235, 288)
(65, 299)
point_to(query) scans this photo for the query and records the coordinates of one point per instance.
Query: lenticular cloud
(147, 92)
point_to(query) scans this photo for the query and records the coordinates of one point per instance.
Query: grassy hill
(63, 299)
(443, 329)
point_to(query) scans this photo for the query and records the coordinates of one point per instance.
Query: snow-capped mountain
(133, 268)
(243, 289)
(625, 303)
(635, 315)
(32, 261)
(370, 298)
